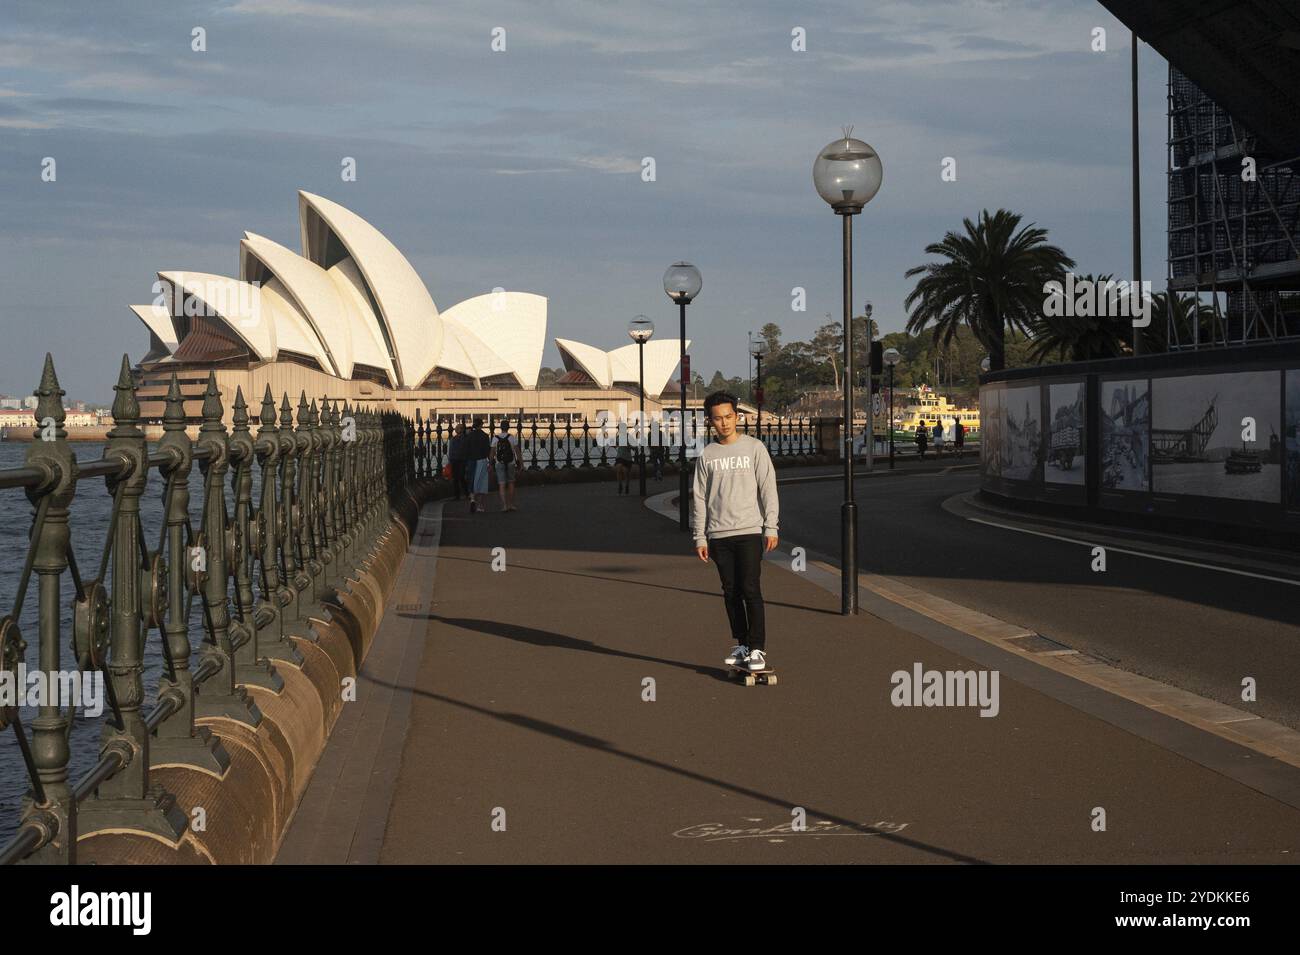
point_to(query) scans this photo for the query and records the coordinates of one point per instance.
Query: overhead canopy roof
(1245, 55)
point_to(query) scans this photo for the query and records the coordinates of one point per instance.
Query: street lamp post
(758, 348)
(870, 443)
(891, 358)
(682, 282)
(640, 330)
(847, 175)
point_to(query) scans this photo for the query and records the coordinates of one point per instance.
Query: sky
(523, 168)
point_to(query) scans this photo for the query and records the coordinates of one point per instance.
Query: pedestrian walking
(657, 455)
(921, 435)
(734, 512)
(456, 457)
(623, 460)
(477, 449)
(505, 457)
(938, 439)
(959, 437)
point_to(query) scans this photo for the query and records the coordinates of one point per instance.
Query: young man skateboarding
(734, 512)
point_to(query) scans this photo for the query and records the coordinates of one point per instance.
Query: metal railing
(307, 500)
(553, 444)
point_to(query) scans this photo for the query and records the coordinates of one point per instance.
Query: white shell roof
(662, 357)
(514, 323)
(159, 321)
(622, 365)
(368, 346)
(312, 291)
(405, 306)
(292, 330)
(589, 358)
(330, 314)
(237, 303)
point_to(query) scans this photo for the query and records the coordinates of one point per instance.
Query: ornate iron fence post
(351, 469)
(550, 445)
(309, 440)
(287, 522)
(336, 491)
(219, 694)
(269, 612)
(127, 799)
(298, 528)
(251, 666)
(329, 499)
(57, 812)
(439, 445)
(178, 739)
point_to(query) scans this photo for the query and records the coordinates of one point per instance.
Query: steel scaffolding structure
(1234, 242)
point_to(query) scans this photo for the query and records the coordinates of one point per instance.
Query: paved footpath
(508, 682)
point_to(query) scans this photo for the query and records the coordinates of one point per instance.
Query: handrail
(256, 569)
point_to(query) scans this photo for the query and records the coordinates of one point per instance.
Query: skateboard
(750, 677)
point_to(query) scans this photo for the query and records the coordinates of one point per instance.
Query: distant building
(349, 319)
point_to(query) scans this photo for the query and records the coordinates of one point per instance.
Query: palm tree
(1188, 312)
(1082, 337)
(990, 277)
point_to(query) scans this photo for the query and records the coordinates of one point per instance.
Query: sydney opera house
(349, 318)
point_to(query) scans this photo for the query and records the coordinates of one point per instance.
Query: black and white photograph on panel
(1024, 434)
(1217, 436)
(1293, 439)
(1125, 435)
(992, 423)
(1066, 429)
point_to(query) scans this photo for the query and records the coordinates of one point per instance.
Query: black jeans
(458, 478)
(740, 562)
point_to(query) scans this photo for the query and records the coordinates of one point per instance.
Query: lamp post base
(848, 558)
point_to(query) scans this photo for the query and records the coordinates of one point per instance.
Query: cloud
(506, 169)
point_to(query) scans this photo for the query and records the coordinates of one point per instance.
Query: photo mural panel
(1067, 432)
(1292, 439)
(1125, 417)
(1023, 433)
(1218, 436)
(991, 428)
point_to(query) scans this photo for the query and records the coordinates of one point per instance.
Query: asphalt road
(1199, 629)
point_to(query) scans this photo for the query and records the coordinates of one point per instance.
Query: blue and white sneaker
(737, 656)
(757, 660)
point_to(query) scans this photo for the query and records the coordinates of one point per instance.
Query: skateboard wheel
(749, 680)
(771, 680)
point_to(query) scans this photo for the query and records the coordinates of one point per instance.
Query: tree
(827, 344)
(1188, 313)
(1077, 337)
(989, 278)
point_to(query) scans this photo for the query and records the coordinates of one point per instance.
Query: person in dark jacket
(922, 435)
(456, 457)
(477, 448)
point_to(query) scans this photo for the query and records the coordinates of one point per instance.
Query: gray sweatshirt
(734, 491)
